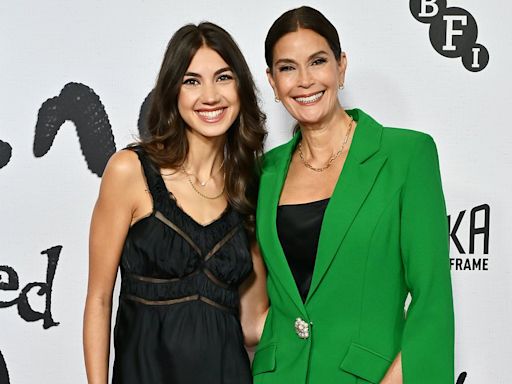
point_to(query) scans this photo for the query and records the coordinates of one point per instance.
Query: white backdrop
(116, 47)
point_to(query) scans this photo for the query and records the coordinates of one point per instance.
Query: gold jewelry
(331, 160)
(204, 183)
(198, 191)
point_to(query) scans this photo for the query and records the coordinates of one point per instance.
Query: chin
(310, 119)
(210, 131)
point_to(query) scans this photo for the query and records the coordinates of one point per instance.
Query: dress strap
(154, 180)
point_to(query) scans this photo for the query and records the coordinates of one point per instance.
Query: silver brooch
(301, 328)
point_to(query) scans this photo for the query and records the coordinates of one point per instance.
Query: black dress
(177, 320)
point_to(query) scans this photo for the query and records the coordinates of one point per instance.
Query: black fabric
(165, 257)
(298, 228)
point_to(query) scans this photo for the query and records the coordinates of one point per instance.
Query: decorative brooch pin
(301, 328)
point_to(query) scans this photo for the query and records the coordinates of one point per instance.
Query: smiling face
(208, 100)
(305, 76)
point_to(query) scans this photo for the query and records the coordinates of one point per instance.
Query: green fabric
(266, 360)
(384, 235)
(365, 363)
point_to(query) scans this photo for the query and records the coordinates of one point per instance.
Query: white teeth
(210, 115)
(309, 99)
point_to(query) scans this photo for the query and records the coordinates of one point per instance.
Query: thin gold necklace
(201, 183)
(334, 157)
(198, 191)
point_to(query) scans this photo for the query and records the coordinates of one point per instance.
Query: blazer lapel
(355, 182)
(271, 184)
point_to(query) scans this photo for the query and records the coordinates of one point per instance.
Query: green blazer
(384, 235)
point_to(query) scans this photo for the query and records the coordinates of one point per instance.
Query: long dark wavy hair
(167, 143)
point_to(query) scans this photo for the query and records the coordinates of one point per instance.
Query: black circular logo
(454, 32)
(476, 59)
(425, 10)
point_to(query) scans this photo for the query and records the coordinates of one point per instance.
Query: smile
(311, 99)
(211, 116)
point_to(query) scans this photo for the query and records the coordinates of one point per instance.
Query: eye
(319, 61)
(190, 81)
(225, 77)
(285, 68)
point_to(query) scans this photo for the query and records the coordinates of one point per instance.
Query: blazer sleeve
(428, 336)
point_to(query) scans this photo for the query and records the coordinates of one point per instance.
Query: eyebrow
(217, 72)
(286, 60)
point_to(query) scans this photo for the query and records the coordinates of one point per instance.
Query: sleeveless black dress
(177, 320)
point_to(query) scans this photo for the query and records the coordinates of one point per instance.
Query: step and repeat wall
(75, 77)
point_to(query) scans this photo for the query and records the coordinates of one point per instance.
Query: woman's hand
(394, 373)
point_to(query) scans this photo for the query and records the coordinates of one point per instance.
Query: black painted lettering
(26, 312)
(4, 374)
(462, 378)
(454, 229)
(484, 230)
(11, 283)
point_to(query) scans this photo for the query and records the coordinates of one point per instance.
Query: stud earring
(276, 99)
(340, 87)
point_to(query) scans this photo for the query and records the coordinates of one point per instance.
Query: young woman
(351, 218)
(176, 214)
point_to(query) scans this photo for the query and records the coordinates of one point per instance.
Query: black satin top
(298, 228)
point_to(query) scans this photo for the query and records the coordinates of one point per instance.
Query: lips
(309, 99)
(211, 116)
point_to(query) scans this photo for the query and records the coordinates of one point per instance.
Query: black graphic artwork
(143, 114)
(25, 310)
(5, 153)
(453, 32)
(477, 234)
(462, 378)
(4, 374)
(81, 105)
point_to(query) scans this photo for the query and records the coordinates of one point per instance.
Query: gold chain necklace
(201, 183)
(198, 191)
(334, 157)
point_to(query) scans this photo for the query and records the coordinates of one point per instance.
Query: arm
(111, 219)
(427, 350)
(254, 300)
(394, 373)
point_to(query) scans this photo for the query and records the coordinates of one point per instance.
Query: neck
(205, 154)
(323, 139)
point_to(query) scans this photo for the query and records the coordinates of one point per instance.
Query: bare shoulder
(123, 177)
(123, 165)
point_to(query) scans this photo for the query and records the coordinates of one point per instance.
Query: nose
(210, 94)
(305, 79)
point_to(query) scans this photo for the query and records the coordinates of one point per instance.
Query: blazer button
(301, 328)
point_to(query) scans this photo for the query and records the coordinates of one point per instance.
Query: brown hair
(305, 18)
(167, 143)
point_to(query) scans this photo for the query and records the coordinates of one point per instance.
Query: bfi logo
(453, 32)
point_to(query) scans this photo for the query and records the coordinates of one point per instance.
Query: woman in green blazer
(368, 201)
